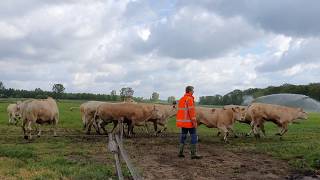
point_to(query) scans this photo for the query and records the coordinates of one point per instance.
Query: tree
(155, 96)
(126, 92)
(58, 90)
(2, 86)
(38, 90)
(171, 99)
(113, 93)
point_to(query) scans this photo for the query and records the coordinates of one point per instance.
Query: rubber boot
(180, 155)
(194, 154)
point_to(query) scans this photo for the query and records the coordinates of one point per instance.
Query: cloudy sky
(215, 45)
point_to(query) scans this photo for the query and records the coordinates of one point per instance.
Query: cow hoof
(278, 134)
(281, 138)
(26, 137)
(38, 136)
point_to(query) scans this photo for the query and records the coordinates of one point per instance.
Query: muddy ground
(156, 158)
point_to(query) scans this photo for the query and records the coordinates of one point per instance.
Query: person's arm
(192, 111)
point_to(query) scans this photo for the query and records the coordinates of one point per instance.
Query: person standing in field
(186, 120)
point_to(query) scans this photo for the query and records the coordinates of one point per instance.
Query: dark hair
(189, 88)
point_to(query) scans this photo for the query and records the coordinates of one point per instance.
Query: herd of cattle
(98, 114)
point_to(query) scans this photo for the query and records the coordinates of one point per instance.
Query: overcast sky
(215, 45)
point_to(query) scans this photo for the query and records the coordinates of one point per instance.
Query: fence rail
(115, 146)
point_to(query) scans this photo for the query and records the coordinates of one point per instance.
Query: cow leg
(284, 129)
(232, 131)
(54, 124)
(279, 131)
(164, 126)
(102, 125)
(263, 130)
(84, 121)
(256, 130)
(10, 118)
(115, 124)
(130, 130)
(89, 125)
(254, 126)
(16, 121)
(24, 129)
(155, 126)
(29, 129)
(250, 132)
(146, 127)
(225, 133)
(257, 124)
(39, 130)
(96, 126)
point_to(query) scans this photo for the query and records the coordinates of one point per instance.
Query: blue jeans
(193, 134)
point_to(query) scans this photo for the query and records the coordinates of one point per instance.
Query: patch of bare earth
(157, 158)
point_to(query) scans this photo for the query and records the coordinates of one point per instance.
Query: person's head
(189, 89)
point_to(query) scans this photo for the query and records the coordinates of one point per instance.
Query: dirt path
(157, 159)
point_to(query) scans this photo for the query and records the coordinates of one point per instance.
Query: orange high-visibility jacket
(186, 112)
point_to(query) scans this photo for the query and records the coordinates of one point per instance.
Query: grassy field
(76, 157)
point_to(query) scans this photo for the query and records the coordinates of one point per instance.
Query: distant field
(77, 157)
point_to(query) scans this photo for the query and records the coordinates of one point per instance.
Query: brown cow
(87, 111)
(246, 118)
(38, 112)
(13, 113)
(280, 115)
(165, 113)
(135, 114)
(220, 118)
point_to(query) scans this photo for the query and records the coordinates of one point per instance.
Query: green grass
(53, 158)
(80, 158)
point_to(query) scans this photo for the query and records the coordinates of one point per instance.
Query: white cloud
(9, 32)
(160, 46)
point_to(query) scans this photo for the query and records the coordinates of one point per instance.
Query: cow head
(237, 113)
(19, 105)
(302, 114)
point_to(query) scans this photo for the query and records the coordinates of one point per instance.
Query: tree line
(237, 96)
(58, 92)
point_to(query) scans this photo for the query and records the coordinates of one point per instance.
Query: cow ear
(233, 109)
(224, 108)
(213, 110)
